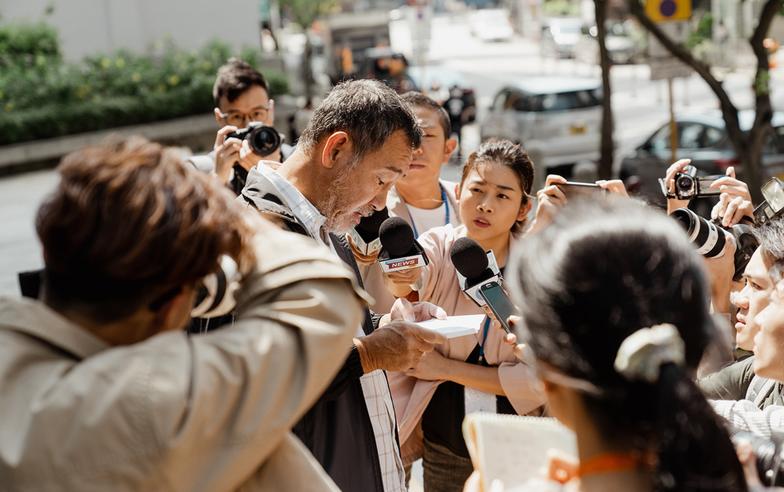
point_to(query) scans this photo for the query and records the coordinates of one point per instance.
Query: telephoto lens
(704, 234)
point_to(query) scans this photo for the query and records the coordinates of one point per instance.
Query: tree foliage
(747, 145)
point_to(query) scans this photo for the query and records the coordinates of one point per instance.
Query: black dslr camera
(773, 192)
(688, 185)
(263, 139)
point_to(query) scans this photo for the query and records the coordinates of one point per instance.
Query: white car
(556, 119)
(560, 36)
(491, 25)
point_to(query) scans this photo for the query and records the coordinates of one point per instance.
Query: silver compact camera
(688, 185)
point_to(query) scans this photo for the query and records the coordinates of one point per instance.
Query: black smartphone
(498, 301)
(573, 189)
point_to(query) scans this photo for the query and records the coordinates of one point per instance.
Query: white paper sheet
(455, 326)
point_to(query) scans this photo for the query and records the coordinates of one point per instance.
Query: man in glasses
(241, 97)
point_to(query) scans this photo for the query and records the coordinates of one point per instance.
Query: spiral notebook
(514, 449)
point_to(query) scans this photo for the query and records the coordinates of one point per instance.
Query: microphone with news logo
(365, 235)
(483, 284)
(399, 249)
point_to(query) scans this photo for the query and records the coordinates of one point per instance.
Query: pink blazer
(440, 286)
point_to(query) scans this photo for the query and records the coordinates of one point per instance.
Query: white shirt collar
(311, 217)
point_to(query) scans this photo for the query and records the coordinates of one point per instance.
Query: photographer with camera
(737, 381)
(246, 115)
(103, 390)
(727, 234)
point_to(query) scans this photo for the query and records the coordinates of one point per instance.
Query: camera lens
(684, 183)
(264, 140)
(705, 235)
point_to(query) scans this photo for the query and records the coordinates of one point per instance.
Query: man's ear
(336, 149)
(218, 117)
(524, 210)
(449, 147)
(457, 192)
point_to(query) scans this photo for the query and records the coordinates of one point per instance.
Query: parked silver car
(702, 138)
(557, 119)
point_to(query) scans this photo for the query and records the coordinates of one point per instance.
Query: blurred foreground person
(103, 390)
(614, 307)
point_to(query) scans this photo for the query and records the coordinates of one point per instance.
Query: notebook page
(514, 449)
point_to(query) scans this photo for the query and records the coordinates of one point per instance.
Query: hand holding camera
(549, 199)
(558, 191)
(244, 146)
(668, 185)
(734, 202)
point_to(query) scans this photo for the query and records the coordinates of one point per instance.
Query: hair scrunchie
(642, 353)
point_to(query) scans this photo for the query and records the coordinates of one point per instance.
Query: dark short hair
(508, 154)
(129, 222)
(369, 111)
(419, 100)
(771, 239)
(234, 78)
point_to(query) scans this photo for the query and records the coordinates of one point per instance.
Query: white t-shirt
(426, 219)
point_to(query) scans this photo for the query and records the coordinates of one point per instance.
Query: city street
(639, 104)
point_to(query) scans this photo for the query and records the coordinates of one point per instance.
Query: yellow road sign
(668, 10)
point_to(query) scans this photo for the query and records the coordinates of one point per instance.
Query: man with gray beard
(356, 146)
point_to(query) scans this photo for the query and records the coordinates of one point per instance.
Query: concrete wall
(101, 26)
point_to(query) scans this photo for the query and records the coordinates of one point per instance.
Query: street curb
(38, 154)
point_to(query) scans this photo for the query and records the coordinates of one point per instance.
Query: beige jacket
(372, 276)
(209, 412)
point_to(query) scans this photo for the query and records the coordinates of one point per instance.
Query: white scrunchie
(642, 354)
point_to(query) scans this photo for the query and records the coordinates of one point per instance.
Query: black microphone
(365, 234)
(399, 249)
(482, 285)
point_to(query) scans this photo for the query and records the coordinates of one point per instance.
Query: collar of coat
(35, 319)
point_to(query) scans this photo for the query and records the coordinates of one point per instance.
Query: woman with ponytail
(615, 308)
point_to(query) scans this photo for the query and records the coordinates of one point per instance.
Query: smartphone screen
(572, 189)
(498, 302)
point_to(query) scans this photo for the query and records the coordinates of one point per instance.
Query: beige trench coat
(210, 412)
